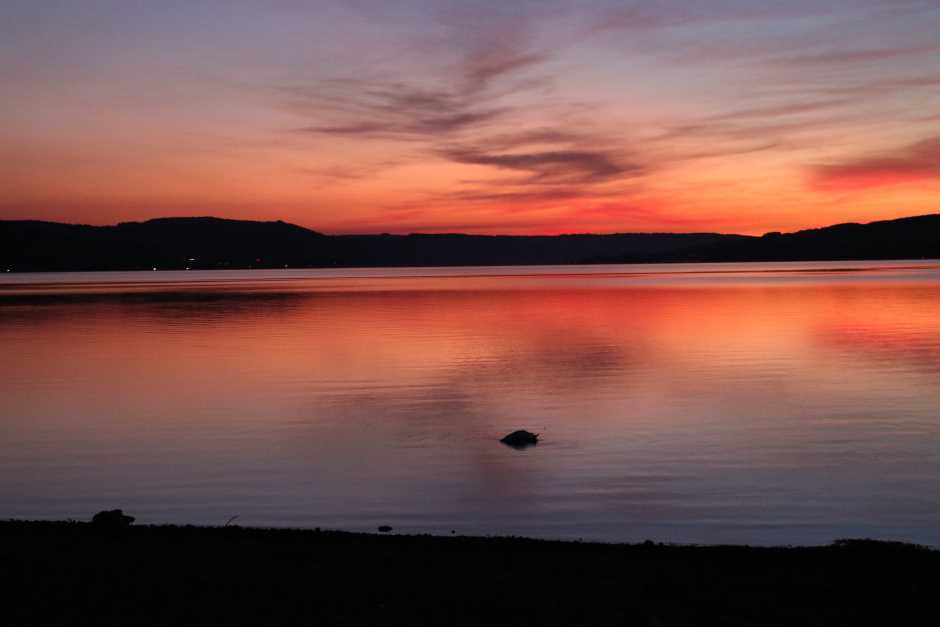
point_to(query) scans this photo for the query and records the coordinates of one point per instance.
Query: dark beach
(71, 573)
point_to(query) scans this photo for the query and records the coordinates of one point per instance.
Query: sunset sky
(473, 116)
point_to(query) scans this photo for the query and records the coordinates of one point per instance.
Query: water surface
(758, 403)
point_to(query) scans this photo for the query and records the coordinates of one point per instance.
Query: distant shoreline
(77, 573)
(207, 243)
(442, 271)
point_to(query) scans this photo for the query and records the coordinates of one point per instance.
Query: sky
(527, 117)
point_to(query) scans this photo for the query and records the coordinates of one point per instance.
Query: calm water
(758, 403)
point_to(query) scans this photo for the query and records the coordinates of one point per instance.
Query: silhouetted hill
(169, 243)
(498, 250)
(904, 238)
(216, 243)
(163, 243)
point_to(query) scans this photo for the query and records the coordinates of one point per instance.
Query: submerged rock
(521, 439)
(112, 519)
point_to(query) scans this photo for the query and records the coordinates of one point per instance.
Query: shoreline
(64, 572)
(518, 269)
(396, 533)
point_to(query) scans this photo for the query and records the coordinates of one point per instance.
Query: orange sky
(484, 117)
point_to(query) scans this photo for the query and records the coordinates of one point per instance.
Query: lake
(788, 403)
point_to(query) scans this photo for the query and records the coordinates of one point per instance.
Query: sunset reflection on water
(760, 405)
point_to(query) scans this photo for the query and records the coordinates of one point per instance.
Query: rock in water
(385, 528)
(521, 439)
(112, 519)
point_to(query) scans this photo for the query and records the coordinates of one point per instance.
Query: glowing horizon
(524, 118)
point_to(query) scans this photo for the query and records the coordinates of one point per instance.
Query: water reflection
(790, 407)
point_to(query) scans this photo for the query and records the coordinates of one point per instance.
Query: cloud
(477, 108)
(493, 90)
(461, 85)
(869, 55)
(784, 109)
(554, 166)
(879, 87)
(523, 196)
(342, 174)
(914, 163)
(750, 130)
(388, 110)
(731, 151)
(726, 137)
(413, 124)
(543, 135)
(664, 14)
(484, 66)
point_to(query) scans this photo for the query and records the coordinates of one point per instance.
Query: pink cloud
(914, 163)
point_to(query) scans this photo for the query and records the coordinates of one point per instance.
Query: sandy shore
(67, 573)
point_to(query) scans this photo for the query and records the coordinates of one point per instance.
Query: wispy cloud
(865, 55)
(783, 109)
(731, 135)
(389, 110)
(663, 14)
(878, 87)
(881, 99)
(482, 67)
(464, 85)
(914, 163)
(476, 111)
(494, 94)
(554, 166)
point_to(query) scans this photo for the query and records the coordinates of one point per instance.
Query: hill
(209, 243)
(904, 238)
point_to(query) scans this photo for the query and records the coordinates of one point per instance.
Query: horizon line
(457, 233)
